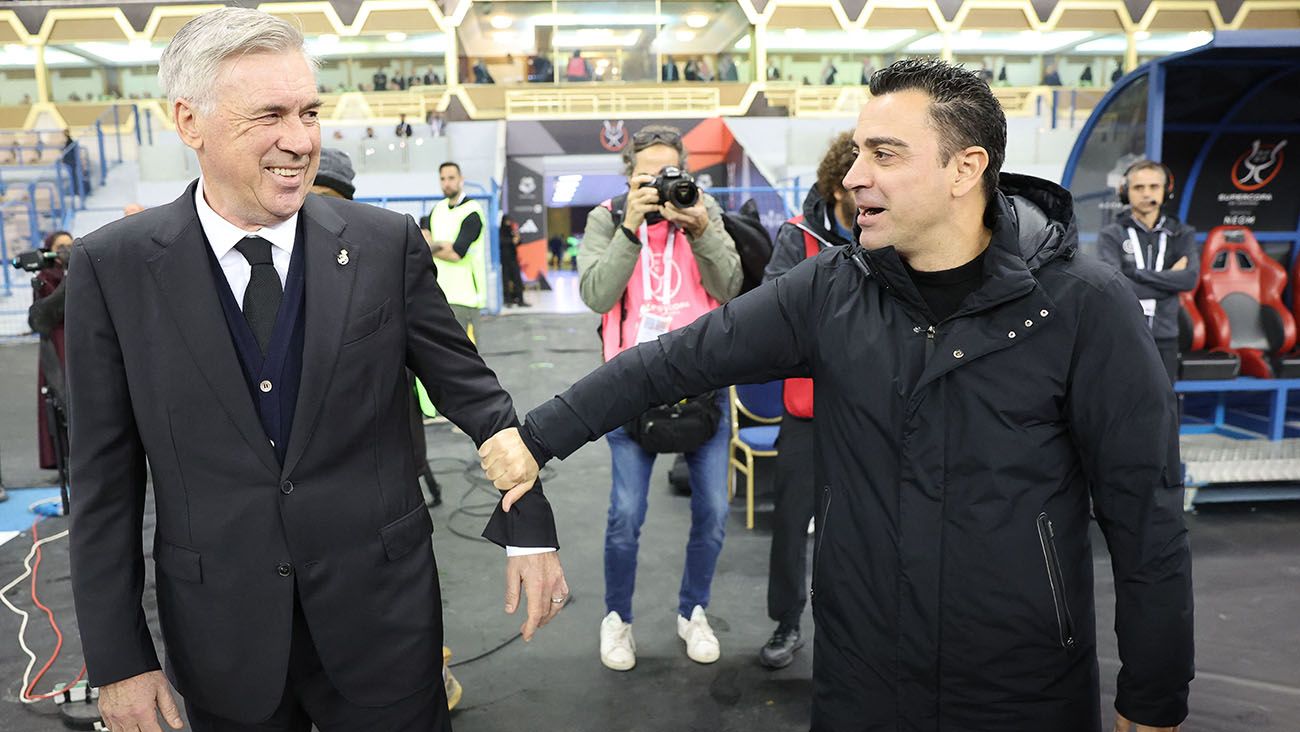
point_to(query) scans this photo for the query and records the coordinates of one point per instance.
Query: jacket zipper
(1064, 623)
(817, 547)
(929, 343)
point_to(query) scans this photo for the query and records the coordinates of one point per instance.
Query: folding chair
(760, 403)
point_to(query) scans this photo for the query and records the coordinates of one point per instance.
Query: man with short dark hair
(1155, 251)
(979, 387)
(457, 237)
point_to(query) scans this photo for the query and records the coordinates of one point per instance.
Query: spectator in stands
(380, 80)
(1085, 79)
(1155, 251)
(691, 72)
(773, 72)
(1051, 77)
(578, 68)
(403, 128)
(980, 391)
(541, 71)
(456, 231)
(27, 99)
(631, 249)
(437, 125)
(431, 78)
(481, 73)
(370, 133)
(669, 71)
(828, 73)
(727, 70)
(827, 221)
(397, 79)
(131, 209)
(1117, 74)
(867, 71)
(48, 322)
(511, 280)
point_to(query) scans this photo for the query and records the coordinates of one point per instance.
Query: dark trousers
(1168, 348)
(796, 500)
(310, 698)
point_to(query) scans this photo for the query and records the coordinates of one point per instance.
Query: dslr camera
(675, 186)
(34, 260)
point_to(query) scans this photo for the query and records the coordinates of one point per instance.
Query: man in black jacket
(1155, 251)
(978, 387)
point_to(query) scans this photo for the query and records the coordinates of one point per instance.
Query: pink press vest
(680, 299)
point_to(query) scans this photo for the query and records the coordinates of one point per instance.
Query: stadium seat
(1194, 361)
(1240, 296)
(760, 403)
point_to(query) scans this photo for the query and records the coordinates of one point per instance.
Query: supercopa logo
(613, 136)
(1258, 166)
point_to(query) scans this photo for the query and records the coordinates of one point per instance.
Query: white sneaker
(617, 648)
(701, 644)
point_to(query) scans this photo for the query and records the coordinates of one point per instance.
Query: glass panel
(387, 62)
(499, 43)
(704, 39)
(592, 42)
(1117, 139)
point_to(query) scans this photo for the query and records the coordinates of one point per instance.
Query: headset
(1169, 180)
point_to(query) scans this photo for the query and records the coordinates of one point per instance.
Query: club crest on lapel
(343, 257)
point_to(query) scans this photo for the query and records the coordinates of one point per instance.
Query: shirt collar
(223, 235)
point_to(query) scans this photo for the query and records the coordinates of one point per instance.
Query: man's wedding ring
(557, 600)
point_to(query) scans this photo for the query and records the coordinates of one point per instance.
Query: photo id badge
(1149, 310)
(652, 326)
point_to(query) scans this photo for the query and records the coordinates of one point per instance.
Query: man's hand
(542, 579)
(509, 465)
(133, 704)
(640, 201)
(1123, 725)
(1180, 264)
(694, 220)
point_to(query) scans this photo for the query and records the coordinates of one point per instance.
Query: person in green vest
(458, 239)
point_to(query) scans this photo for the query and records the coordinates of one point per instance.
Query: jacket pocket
(821, 535)
(1064, 623)
(367, 324)
(178, 562)
(406, 533)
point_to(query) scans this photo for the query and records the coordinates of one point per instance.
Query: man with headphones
(1154, 250)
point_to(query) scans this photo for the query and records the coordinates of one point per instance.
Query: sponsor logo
(613, 136)
(1258, 166)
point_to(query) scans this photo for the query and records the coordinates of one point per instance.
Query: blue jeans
(628, 499)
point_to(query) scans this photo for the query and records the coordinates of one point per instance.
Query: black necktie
(262, 297)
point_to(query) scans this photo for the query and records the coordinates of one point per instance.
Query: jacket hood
(817, 215)
(1042, 213)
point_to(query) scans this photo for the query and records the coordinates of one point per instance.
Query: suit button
(265, 386)
(285, 569)
(286, 487)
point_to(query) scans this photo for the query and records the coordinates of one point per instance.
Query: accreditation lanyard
(647, 260)
(1139, 259)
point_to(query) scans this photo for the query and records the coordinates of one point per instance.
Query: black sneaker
(780, 648)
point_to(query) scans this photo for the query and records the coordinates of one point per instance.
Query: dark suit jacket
(153, 375)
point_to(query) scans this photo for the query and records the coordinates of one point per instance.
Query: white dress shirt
(223, 236)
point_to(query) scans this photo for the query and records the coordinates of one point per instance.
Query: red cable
(27, 693)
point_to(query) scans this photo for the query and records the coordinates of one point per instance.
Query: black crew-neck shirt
(943, 291)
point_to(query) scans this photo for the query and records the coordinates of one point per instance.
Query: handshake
(509, 465)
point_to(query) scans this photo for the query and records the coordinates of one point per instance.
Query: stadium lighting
(697, 20)
(684, 36)
(395, 37)
(501, 22)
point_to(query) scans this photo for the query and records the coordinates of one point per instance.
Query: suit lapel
(185, 277)
(329, 293)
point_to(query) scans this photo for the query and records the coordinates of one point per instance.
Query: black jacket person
(959, 445)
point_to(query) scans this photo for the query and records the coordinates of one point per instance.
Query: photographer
(46, 318)
(652, 261)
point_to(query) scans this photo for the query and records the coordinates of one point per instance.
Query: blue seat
(760, 403)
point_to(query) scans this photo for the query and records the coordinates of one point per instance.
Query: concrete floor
(1247, 569)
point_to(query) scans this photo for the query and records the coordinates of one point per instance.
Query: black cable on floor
(568, 601)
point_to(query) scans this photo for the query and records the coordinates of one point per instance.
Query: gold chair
(762, 404)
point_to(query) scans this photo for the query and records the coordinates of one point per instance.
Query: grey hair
(190, 65)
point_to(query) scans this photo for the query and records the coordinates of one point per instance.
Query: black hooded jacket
(953, 586)
(790, 249)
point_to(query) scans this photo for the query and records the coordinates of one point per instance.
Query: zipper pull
(930, 333)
